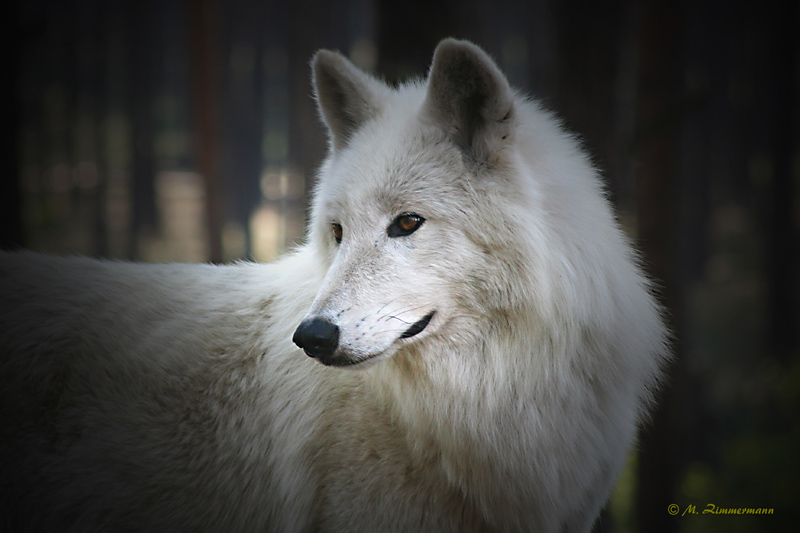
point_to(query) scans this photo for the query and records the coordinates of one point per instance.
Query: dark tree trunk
(141, 95)
(657, 151)
(244, 106)
(204, 27)
(11, 229)
(782, 264)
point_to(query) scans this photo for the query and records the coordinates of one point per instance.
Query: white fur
(170, 397)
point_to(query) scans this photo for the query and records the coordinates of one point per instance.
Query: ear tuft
(470, 99)
(346, 96)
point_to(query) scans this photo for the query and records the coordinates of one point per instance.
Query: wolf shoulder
(118, 381)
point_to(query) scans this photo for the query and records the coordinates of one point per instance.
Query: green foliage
(755, 467)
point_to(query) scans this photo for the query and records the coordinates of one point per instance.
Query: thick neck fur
(453, 404)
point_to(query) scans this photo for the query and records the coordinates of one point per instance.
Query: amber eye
(337, 231)
(405, 224)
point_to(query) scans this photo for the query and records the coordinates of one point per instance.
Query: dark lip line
(418, 326)
(415, 329)
(346, 363)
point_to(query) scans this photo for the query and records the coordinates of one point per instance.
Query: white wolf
(501, 343)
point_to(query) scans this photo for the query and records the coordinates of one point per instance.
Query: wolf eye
(405, 224)
(337, 232)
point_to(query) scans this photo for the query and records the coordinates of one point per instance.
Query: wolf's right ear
(470, 99)
(346, 96)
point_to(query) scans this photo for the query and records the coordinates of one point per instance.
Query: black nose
(317, 337)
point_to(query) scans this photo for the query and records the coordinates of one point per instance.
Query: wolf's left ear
(346, 96)
(470, 99)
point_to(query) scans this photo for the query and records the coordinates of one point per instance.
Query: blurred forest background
(185, 130)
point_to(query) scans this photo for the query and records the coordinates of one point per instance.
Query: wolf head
(412, 204)
(450, 210)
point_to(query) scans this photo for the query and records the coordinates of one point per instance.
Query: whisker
(401, 311)
(387, 304)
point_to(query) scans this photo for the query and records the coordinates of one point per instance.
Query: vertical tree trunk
(244, 109)
(11, 229)
(658, 149)
(141, 95)
(204, 23)
(782, 236)
(588, 55)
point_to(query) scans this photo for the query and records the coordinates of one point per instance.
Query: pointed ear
(471, 100)
(346, 96)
